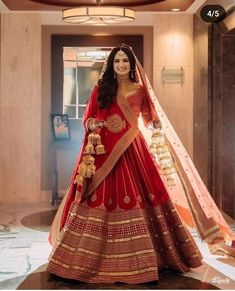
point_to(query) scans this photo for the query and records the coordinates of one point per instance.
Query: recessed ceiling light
(175, 9)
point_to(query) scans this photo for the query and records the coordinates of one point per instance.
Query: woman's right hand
(94, 123)
(99, 123)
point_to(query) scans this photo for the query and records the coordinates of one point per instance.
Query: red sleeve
(146, 112)
(92, 106)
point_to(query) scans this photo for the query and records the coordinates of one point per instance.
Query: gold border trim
(206, 234)
(92, 218)
(55, 227)
(141, 271)
(137, 237)
(114, 256)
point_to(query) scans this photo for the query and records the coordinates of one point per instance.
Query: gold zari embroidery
(109, 240)
(126, 255)
(145, 270)
(114, 123)
(68, 247)
(92, 218)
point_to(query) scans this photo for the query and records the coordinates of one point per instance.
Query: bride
(120, 220)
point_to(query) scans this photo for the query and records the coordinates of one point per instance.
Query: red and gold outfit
(124, 226)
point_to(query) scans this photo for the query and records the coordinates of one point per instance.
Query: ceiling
(58, 5)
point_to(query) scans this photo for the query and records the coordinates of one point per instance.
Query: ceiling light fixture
(98, 15)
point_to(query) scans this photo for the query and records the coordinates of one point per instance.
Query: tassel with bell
(87, 167)
(91, 138)
(82, 169)
(160, 150)
(89, 149)
(95, 139)
(79, 180)
(170, 181)
(100, 149)
(90, 171)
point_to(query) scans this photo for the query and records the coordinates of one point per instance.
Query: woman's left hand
(156, 124)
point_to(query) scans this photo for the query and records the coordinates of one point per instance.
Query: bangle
(93, 124)
(90, 124)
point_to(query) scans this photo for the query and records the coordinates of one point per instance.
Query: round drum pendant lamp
(98, 15)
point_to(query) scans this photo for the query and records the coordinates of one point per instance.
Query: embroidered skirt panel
(126, 230)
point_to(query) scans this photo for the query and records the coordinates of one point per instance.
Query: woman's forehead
(121, 55)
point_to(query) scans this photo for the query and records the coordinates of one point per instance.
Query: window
(82, 68)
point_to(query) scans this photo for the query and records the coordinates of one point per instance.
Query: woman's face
(121, 63)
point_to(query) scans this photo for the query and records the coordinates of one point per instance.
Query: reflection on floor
(43, 280)
(24, 250)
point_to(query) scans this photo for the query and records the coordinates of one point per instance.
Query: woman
(120, 224)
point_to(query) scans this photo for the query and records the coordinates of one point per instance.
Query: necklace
(126, 87)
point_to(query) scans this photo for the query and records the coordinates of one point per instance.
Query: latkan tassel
(79, 180)
(170, 181)
(100, 149)
(89, 149)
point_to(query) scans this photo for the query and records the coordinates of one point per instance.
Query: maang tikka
(120, 53)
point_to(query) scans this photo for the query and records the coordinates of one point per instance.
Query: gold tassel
(79, 180)
(97, 138)
(91, 138)
(90, 171)
(88, 164)
(100, 149)
(94, 138)
(152, 148)
(82, 169)
(89, 149)
(170, 181)
(88, 160)
(159, 148)
(87, 167)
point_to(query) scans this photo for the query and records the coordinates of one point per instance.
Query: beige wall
(20, 108)
(173, 47)
(201, 106)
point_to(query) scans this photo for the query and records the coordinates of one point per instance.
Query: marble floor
(24, 250)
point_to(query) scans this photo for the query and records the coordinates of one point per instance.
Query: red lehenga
(123, 226)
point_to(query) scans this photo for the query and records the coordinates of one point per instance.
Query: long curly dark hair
(108, 85)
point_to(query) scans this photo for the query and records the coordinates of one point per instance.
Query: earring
(114, 75)
(132, 74)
